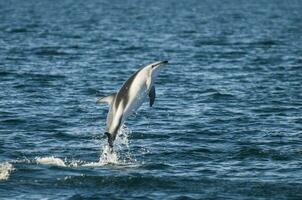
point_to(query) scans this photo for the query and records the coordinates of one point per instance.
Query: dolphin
(129, 98)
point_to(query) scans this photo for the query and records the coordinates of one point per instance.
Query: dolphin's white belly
(137, 94)
(138, 97)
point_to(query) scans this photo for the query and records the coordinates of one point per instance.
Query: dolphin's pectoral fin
(152, 95)
(109, 99)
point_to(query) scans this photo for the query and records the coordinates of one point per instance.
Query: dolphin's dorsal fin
(152, 95)
(108, 99)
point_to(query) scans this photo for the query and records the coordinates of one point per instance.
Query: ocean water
(226, 124)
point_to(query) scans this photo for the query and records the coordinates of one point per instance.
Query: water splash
(121, 153)
(120, 156)
(5, 170)
(51, 160)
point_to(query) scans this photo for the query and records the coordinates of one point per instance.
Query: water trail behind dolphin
(120, 156)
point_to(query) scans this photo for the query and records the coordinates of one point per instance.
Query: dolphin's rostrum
(130, 97)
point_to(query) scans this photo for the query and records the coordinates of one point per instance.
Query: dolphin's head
(156, 66)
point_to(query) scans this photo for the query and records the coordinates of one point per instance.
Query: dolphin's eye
(153, 66)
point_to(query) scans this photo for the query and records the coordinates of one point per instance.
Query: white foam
(51, 160)
(108, 157)
(5, 170)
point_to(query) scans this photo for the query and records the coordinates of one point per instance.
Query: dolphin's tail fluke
(110, 140)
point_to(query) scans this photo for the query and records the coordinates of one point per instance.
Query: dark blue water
(226, 123)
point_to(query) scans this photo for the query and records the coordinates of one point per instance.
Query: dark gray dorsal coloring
(123, 93)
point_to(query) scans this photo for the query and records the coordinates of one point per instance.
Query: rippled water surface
(226, 123)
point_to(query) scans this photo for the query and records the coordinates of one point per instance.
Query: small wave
(13, 121)
(4, 73)
(5, 170)
(133, 48)
(219, 95)
(260, 152)
(216, 94)
(17, 30)
(49, 51)
(267, 42)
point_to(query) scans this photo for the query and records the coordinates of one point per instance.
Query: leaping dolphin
(129, 98)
